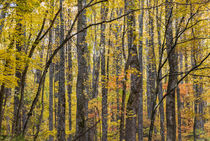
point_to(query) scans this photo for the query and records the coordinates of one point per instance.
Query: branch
(77, 137)
(192, 69)
(38, 38)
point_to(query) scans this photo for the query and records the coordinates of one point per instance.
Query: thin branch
(192, 69)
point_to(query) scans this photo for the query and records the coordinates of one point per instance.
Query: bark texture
(61, 92)
(51, 77)
(103, 75)
(133, 63)
(82, 52)
(172, 59)
(140, 107)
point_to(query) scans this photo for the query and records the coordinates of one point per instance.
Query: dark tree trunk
(151, 66)
(82, 76)
(61, 93)
(178, 93)
(51, 77)
(69, 86)
(41, 114)
(104, 11)
(172, 59)
(140, 106)
(2, 93)
(179, 114)
(133, 63)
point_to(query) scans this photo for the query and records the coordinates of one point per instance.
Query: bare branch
(192, 69)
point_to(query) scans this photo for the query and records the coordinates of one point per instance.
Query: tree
(102, 45)
(51, 76)
(103, 75)
(82, 52)
(133, 63)
(140, 107)
(160, 94)
(172, 59)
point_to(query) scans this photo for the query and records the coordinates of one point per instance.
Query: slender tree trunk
(179, 98)
(41, 114)
(82, 51)
(37, 80)
(172, 59)
(56, 77)
(196, 101)
(179, 114)
(122, 116)
(140, 107)
(2, 93)
(104, 11)
(51, 77)
(69, 86)
(160, 94)
(151, 63)
(61, 93)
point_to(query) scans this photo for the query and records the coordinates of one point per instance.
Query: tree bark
(104, 11)
(133, 63)
(51, 77)
(140, 107)
(61, 93)
(82, 51)
(2, 93)
(151, 66)
(69, 84)
(172, 59)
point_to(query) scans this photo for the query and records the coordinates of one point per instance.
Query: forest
(104, 70)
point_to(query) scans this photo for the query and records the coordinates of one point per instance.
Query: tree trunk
(133, 63)
(151, 68)
(104, 11)
(61, 93)
(160, 94)
(82, 51)
(2, 93)
(122, 116)
(172, 59)
(140, 106)
(51, 77)
(178, 94)
(69, 86)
